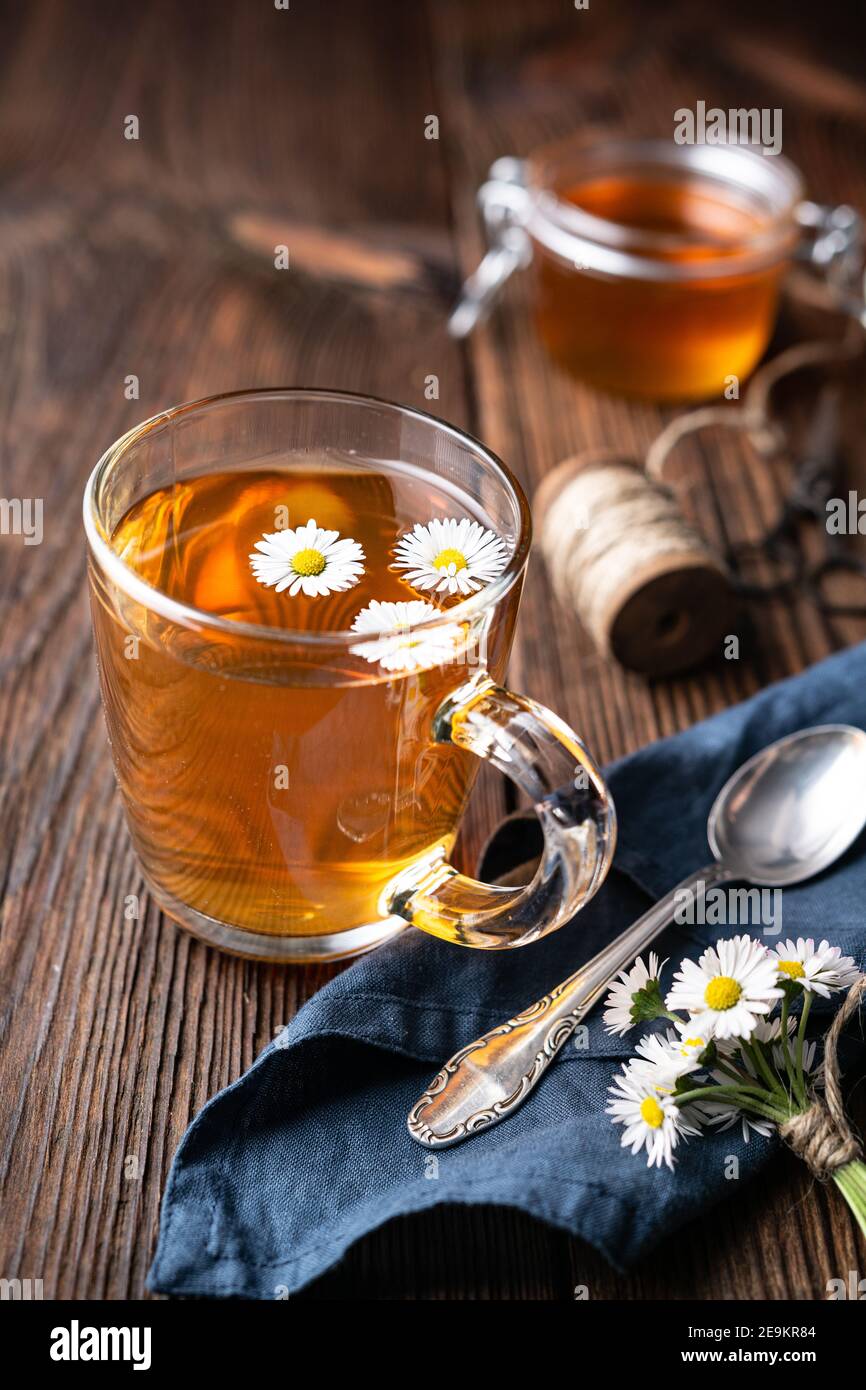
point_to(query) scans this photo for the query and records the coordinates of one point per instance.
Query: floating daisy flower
(454, 557)
(307, 560)
(653, 1121)
(821, 969)
(394, 644)
(622, 1010)
(731, 987)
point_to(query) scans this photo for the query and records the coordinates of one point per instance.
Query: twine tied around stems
(822, 1135)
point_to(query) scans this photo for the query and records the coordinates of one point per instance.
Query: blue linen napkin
(280, 1173)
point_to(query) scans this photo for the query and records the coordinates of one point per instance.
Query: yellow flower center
(651, 1113)
(450, 557)
(723, 992)
(308, 561)
(792, 968)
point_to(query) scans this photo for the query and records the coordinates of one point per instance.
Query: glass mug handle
(547, 760)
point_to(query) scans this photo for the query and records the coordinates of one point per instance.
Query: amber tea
(284, 799)
(303, 604)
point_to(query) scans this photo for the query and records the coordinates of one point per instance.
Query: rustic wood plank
(498, 104)
(156, 258)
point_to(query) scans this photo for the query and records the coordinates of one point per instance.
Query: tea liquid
(672, 339)
(271, 786)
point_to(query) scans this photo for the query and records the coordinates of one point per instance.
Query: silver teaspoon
(785, 815)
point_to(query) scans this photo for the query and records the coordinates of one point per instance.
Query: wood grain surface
(154, 258)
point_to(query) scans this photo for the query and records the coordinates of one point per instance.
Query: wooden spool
(623, 559)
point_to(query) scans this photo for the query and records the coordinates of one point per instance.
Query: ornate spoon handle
(488, 1079)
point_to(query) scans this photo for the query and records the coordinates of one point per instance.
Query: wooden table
(153, 259)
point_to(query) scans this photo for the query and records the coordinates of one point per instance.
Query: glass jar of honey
(656, 267)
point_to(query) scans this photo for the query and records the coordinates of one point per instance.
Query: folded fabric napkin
(308, 1151)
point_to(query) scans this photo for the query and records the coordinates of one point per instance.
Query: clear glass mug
(201, 708)
(656, 267)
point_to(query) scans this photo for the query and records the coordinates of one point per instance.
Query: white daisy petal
(395, 646)
(724, 1115)
(668, 1056)
(450, 556)
(307, 560)
(767, 1030)
(619, 1002)
(820, 970)
(732, 987)
(652, 1120)
(813, 1066)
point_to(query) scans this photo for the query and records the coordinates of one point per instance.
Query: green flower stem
(851, 1182)
(857, 1173)
(786, 1049)
(742, 1077)
(756, 1052)
(758, 1102)
(801, 1034)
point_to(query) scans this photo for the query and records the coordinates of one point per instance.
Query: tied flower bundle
(735, 1051)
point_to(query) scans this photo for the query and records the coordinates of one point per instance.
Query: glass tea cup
(656, 267)
(294, 793)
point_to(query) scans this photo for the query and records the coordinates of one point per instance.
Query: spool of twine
(624, 560)
(822, 1136)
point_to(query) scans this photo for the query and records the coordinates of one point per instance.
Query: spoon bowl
(784, 816)
(793, 808)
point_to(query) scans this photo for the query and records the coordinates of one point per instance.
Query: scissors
(817, 481)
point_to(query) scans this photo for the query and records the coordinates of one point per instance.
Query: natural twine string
(608, 525)
(822, 1136)
(754, 416)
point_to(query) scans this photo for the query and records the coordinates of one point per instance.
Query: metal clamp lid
(504, 203)
(833, 245)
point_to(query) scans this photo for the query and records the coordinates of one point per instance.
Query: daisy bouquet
(735, 1051)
